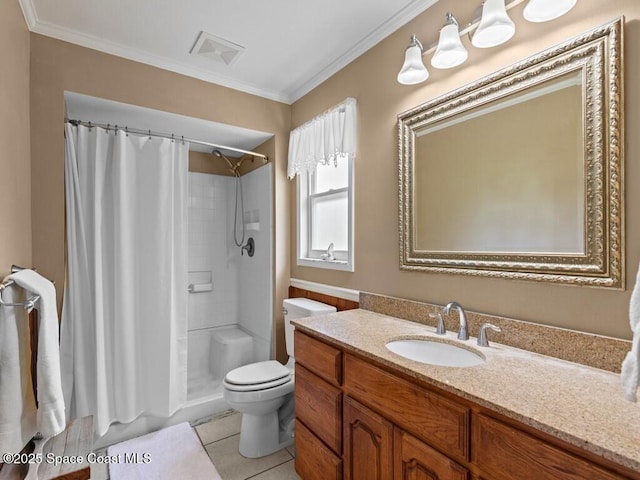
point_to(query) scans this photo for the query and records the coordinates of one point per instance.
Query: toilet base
(260, 435)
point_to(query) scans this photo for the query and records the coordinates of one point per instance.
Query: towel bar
(29, 304)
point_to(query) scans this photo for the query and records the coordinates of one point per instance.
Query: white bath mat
(168, 454)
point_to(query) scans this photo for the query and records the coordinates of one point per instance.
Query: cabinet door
(415, 460)
(368, 443)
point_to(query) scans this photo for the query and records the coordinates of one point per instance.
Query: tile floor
(220, 438)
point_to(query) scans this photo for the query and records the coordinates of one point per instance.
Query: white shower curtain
(124, 319)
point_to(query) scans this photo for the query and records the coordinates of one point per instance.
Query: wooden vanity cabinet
(318, 400)
(359, 421)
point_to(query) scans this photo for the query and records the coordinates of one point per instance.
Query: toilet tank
(300, 308)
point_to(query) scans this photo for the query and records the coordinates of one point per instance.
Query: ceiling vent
(217, 49)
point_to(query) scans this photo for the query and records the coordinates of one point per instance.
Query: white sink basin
(435, 353)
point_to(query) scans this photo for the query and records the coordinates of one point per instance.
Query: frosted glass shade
(545, 10)
(413, 70)
(450, 51)
(495, 25)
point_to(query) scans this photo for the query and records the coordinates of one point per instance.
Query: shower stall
(230, 299)
(222, 315)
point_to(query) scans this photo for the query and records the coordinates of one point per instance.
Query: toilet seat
(257, 376)
(253, 388)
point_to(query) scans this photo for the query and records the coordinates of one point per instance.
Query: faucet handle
(483, 341)
(440, 328)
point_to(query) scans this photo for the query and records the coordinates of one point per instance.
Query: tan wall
(15, 167)
(58, 66)
(372, 80)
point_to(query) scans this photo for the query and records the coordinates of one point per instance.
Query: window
(325, 216)
(321, 155)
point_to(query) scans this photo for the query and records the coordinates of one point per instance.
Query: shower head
(233, 167)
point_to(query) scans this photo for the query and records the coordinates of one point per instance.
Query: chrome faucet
(463, 334)
(440, 328)
(483, 341)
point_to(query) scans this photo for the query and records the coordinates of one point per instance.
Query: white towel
(17, 404)
(631, 363)
(51, 411)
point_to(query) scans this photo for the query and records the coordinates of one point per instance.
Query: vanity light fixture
(495, 25)
(413, 70)
(545, 10)
(450, 51)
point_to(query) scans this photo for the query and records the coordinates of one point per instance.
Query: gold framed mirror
(520, 174)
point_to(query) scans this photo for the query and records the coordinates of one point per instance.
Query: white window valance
(323, 139)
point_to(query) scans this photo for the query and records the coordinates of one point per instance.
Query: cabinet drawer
(322, 359)
(434, 419)
(319, 406)
(314, 461)
(506, 453)
(414, 459)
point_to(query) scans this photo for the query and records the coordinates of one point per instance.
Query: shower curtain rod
(172, 136)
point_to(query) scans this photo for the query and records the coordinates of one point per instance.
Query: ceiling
(289, 46)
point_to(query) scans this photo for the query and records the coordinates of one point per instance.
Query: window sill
(342, 265)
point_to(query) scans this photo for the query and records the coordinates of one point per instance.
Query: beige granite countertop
(581, 405)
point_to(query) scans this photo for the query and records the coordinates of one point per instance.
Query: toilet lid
(259, 373)
(257, 387)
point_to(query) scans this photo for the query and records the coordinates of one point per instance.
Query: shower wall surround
(255, 292)
(241, 292)
(208, 259)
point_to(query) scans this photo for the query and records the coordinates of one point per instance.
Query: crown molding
(94, 43)
(29, 13)
(287, 96)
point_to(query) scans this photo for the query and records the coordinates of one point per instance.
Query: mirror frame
(597, 54)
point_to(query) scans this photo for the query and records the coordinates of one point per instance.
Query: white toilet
(263, 391)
